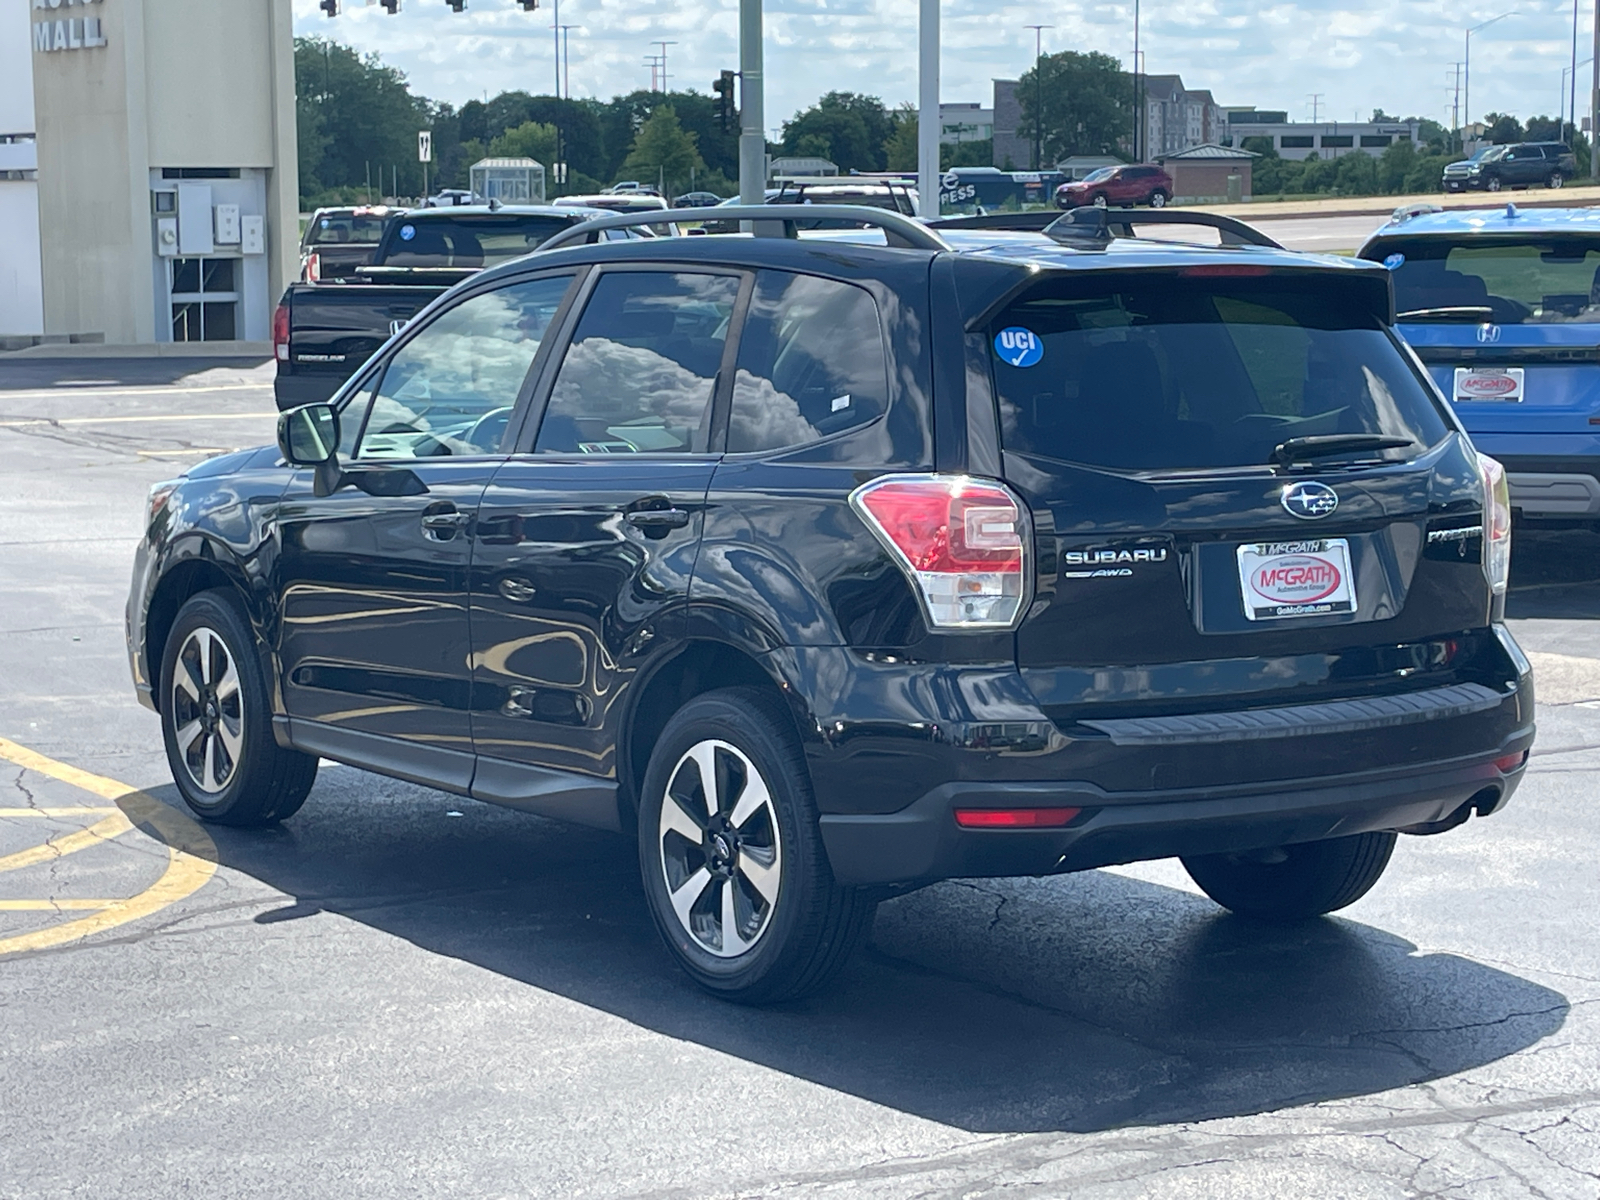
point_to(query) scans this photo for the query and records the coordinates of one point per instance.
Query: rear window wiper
(1327, 445)
(1475, 313)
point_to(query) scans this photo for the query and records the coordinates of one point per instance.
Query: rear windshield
(1534, 281)
(342, 229)
(467, 241)
(1151, 373)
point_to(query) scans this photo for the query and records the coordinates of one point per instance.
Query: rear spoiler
(1092, 226)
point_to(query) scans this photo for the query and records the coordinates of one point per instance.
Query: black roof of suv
(827, 569)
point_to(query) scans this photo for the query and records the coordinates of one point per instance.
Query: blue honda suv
(1503, 307)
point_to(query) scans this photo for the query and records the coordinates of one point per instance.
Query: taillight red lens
(964, 542)
(1014, 818)
(1510, 762)
(280, 333)
(1496, 523)
(314, 267)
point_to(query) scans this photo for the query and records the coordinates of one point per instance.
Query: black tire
(1100, 200)
(1311, 878)
(1556, 180)
(1158, 199)
(800, 937)
(230, 770)
(1492, 183)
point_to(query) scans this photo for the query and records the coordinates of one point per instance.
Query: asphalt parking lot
(404, 993)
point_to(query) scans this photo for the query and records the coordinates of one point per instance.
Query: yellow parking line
(55, 905)
(191, 854)
(69, 843)
(79, 810)
(24, 422)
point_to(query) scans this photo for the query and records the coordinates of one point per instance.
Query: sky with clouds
(1359, 54)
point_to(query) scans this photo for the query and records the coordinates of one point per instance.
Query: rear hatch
(1508, 325)
(1193, 556)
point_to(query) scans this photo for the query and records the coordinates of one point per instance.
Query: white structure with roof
(508, 180)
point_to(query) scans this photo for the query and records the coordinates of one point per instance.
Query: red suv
(1120, 187)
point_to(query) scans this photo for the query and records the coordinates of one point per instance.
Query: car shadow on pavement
(1075, 1003)
(1555, 573)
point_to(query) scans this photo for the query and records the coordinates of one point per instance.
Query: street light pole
(752, 134)
(1138, 126)
(1466, 80)
(1038, 91)
(928, 108)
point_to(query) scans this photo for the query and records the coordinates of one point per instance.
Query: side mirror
(309, 435)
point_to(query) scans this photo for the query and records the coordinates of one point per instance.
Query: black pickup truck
(322, 332)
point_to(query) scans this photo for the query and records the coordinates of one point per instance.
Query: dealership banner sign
(67, 32)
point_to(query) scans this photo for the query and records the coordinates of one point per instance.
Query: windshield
(468, 241)
(345, 228)
(1489, 154)
(1159, 373)
(1535, 281)
(1099, 175)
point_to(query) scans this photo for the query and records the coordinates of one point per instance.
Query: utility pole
(1138, 125)
(555, 167)
(928, 108)
(1594, 99)
(1316, 106)
(1572, 98)
(1455, 117)
(752, 134)
(1038, 90)
(664, 46)
(566, 60)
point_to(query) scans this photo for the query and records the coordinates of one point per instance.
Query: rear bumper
(1551, 485)
(923, 842)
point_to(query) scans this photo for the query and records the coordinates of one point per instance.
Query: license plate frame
(1477, 385)
(1308, 577)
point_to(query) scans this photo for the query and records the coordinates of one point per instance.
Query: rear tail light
(314, 267)
(965, 543)
(1014, 818)
(1496, 524)
(1511, 762)
(280, 333)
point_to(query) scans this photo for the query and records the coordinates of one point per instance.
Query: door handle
(519, 590)
(440, 521)
(663, 519)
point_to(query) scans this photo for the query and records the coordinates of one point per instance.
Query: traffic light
(726, 112)
(331, 7)
(528, 5)
(456, 5)
(391, 6)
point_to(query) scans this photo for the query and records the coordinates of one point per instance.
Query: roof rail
(766, 220)
(1097, 226)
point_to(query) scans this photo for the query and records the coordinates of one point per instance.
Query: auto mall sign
(66, 31)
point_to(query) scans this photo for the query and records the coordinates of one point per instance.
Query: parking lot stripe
(191, 854)
(146, 417)
(101, 832)
(80, 810)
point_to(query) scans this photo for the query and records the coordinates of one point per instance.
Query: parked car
(632, 200)
(323, 332)
(451, 198)
(1522, 164)
(1118, 187)
(696, 200)
(338, 240)
(1504, 309)
(828, 570)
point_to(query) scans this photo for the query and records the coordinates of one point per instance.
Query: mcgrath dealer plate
(1477, 384)
(1296, 579)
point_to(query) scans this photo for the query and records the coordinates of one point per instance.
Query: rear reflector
(1014, 818)
(1510, 762)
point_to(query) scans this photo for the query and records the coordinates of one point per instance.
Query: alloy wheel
(1158, 200)
(1100, 201)
(1494, 184)
(207, 710)
(721, 854)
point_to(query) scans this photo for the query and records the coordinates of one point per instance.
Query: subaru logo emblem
(1488, 333)
(1310, 500)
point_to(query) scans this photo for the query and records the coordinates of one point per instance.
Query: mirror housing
(308, 436)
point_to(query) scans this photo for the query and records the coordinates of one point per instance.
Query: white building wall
(21, 288)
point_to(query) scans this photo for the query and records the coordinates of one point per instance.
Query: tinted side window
(642, 366)
(811, 363)
(451, 388)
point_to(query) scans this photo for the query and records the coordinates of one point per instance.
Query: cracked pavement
(384, 998)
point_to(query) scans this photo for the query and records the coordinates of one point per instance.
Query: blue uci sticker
(1394, 261)
(407, 232)
(1019, 347)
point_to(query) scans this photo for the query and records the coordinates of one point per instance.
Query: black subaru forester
(828, 569)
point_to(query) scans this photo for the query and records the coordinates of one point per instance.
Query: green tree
(1394, 164)
(362, 118)
(1503, 128)
(900, 151)
(848, 129)
(663, 152)
(528, 140)
(1081, 103)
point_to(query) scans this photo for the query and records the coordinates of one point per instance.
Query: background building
(1209, 172)
(1177, 118)
(1012, 151)
(21, 289)
(1325, 139)
(965, 123)
(168, 196)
